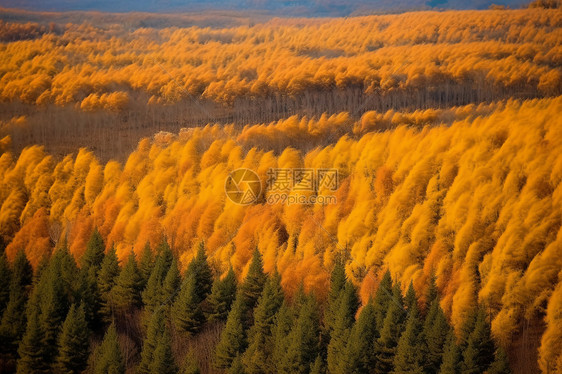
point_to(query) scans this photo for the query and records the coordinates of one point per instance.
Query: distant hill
(276, 7)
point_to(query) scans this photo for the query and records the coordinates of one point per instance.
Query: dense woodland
(67, 85)
(475, 204)
(122, 253)
(148, 317)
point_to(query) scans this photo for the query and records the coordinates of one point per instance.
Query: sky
(276, 7)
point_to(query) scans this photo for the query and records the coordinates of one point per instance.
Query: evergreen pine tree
(222, 296)
(190, 364)
(22, 271)
(202, 272)
(410, 300)
(126, 292)
(88, 294)
(382, 299)
(95, 248)
(39, 270)
(154, 331)
(257, 358)
(408, 357)
(281, 329)
(318, 366)
(53, 310)
(479, 353)
(303, 347)
(171, 284)
(73, 344)
(385, 347)
(69, 273)
(435, 332)
(31, 347)
(360, 355)
(187, 313)
(146, 264)
(252, 286)
(500, 364)
(5, 279)
(467, 328)
(451, 356)
(431, 293)
(344, 319)
(153, 294)
(233, 341)
(13, 323)
(337, 284)
(163, 359)
(236, 367)
(106, 280)
(109, 359)
(164, 253)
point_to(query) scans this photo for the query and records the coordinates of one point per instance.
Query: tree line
(66, 317)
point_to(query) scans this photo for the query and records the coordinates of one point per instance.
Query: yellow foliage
(477, 204)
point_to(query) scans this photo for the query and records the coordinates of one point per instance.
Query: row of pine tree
(65, 318)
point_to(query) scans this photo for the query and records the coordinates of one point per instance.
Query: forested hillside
(217, 192)
(67, 85)
(476, 203)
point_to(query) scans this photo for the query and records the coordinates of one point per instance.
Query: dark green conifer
(360, 355)
(22, 272)
(109, 359)
(5, 279)
(73, 344)
(479, 352)
(106, 281)
(252, 286)
(435, 332)
(153, 294)
(236, 367)
(337, 284)
(171, 284)
(385, 347)
(95, 248)
(233, 341)
(344, 319)
(13, 324)
(155, 329)
(126, 292)
(318, 366)
(257, 358)
(222, 296)
(190, 364)
(303, 340)
(186, 310)
(281, 329)
(53, 310)
(382, 299)
(163, 359)
(408, 358)
(500, 364)
(202, 272)
(31, 347)
(452, 357)
(146, 263)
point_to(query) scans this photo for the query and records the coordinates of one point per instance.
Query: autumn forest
(441, 249)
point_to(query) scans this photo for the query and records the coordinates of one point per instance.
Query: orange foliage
(33, 238)
(477, 203)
